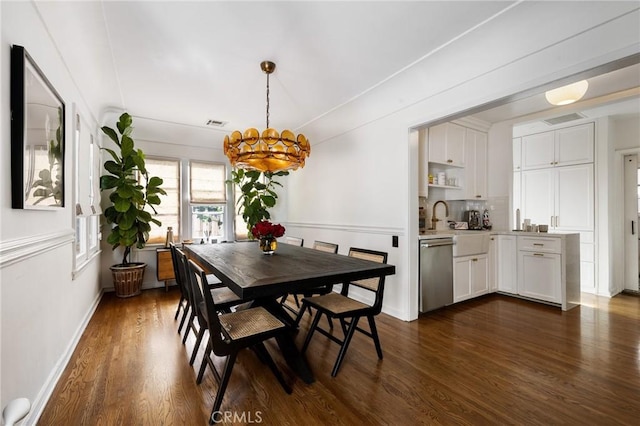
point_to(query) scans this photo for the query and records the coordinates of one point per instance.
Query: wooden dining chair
(231, 332)
(348, 310)
(224, 297)
(184, 302)
(294, 241)
(327, 248)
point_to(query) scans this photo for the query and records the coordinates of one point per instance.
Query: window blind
(168, 212)
(207, 183)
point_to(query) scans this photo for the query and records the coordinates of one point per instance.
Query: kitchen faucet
(434, 219)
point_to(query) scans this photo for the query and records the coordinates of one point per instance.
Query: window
(87, 211)
(207, 200)
(168, 212)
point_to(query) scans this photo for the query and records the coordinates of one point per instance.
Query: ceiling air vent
(216, 123)
(564, 118)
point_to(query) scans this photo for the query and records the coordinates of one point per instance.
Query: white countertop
(452, 232)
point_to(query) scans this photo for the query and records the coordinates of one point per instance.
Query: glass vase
(268, 245)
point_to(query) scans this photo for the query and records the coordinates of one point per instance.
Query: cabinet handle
(449, 161)
(475, 259)
(633, 228)
(538, 244)
(478, 196)
(551, 163)
(557, 221)
(538, 254)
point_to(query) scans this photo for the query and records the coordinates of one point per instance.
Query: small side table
(164, 266)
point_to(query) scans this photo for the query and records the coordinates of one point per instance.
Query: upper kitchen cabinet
(475, 184)
(574, 145)
(562, 147)
(446, 144)
(517, 154)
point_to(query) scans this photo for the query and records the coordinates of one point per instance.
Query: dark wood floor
(494, 360)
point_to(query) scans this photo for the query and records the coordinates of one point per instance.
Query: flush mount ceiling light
(270, 151)
(567, 94)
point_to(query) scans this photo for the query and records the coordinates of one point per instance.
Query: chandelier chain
(267, 101)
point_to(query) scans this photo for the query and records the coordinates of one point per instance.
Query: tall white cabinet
(555, 172)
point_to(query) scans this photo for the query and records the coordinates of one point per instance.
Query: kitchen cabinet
(470, 277)
(493, 264)
(540, 268)
(562, 147)
(517, 154)
(561, 197)
(446, 144)
(507, 261)
(475, 184)
(423, 164)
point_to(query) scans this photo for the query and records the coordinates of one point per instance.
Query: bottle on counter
(169, 238)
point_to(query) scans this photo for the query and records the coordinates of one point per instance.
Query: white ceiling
(188, 62)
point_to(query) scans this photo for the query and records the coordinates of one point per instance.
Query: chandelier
(270, 151)
(569, 94)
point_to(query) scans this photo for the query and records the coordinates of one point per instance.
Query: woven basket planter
(127, 280)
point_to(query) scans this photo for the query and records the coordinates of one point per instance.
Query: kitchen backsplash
(498, 210)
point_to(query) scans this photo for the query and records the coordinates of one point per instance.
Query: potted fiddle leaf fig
(133, 192)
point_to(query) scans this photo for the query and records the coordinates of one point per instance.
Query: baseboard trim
(37, 406)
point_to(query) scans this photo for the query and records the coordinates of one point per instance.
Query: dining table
(262, 279)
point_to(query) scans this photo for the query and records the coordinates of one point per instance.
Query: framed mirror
(37, 137)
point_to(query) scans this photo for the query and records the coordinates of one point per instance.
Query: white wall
(43, 309)
(361, 149)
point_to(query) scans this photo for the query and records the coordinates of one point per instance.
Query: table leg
(296, 361)
(293, 357)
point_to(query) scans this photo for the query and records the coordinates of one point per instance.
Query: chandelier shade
(268, 151)
(569, 94)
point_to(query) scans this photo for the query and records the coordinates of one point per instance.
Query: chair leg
(301, 313)
(184, 316)
(182, 299)
(312, 329)
(295, 297)
(190, 326)
(205, 360)
(345, 346)
(374, 335)
(197, 345)
(228, 368)
(266, 357)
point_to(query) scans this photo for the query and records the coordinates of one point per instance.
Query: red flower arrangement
(266, 229)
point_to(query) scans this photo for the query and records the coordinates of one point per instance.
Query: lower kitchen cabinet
(540, 275)
(507, 260)
(470, 277)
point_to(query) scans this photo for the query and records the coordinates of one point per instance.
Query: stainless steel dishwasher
(436, 273)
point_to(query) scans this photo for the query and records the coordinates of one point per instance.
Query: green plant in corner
(258, 194)
(133, 190)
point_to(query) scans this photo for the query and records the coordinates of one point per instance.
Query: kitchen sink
(470, 243)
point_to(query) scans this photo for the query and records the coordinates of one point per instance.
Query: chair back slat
(326, 247)
(379, 257)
